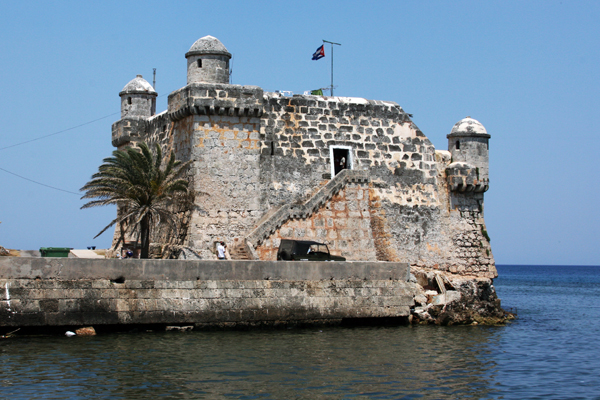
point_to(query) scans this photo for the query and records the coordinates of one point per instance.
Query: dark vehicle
(304, 250)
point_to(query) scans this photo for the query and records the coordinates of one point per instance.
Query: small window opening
(272, 148)
(129, 100)
(199, 63)
(457, 145)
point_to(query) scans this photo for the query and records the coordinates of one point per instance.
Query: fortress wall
(78, 292)
(445, 232)
(405, 215)
(404, 210)
(255, 152)
(225, 176)
(217, 126)
(158, 130)
(258, 158)
(472, 252)
(299, 132)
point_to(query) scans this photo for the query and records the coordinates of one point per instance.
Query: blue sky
(528, 71)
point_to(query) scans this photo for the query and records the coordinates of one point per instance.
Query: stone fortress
(356, 174)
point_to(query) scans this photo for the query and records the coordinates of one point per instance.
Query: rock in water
(87, 331)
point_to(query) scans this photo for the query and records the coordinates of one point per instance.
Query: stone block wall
(300, 131)
(215, 99)
(225, 176)
(102, 302)
(472, 252)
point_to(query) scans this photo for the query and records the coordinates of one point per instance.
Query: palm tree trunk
(145, 236)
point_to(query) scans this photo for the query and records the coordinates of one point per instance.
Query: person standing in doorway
(221, 248)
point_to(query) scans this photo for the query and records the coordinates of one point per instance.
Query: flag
(320, 53)
(318, 92)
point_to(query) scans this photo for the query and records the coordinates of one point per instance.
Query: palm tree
(144, 191)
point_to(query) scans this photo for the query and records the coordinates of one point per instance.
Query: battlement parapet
(216, 99)
(128, 129)
(158, 122)
(318, 106)
(463, 177)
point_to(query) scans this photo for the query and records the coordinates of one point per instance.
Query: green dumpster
(55, 251)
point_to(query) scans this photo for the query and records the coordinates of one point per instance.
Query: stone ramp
(277, 218)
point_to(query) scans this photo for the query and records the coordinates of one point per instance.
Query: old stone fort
(356, 174)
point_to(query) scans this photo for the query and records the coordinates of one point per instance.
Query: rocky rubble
(448, 299)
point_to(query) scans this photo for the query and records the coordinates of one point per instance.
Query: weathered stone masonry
(76, 292)
(259, 156)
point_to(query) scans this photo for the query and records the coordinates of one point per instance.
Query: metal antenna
(154, 78)
(332, 43)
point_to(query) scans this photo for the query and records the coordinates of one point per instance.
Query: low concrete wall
(66, 291)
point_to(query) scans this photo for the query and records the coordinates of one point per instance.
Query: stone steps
(239, 253)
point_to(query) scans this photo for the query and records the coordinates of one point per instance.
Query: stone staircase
(277, 217)
(239, 252)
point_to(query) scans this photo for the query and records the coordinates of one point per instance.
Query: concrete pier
(69, 291)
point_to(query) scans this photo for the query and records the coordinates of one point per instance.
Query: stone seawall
(67, 292)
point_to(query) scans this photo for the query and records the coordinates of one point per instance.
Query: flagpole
(332, 43)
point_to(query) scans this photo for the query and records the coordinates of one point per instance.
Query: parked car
(305, 250)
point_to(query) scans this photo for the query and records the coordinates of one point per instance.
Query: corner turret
(468, 143)
(138, 99)
(208, 61)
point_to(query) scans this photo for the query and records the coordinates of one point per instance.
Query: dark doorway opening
(340, 160)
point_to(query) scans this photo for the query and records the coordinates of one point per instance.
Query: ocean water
(550, 352)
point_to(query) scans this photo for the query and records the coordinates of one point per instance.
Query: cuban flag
(320, 53)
